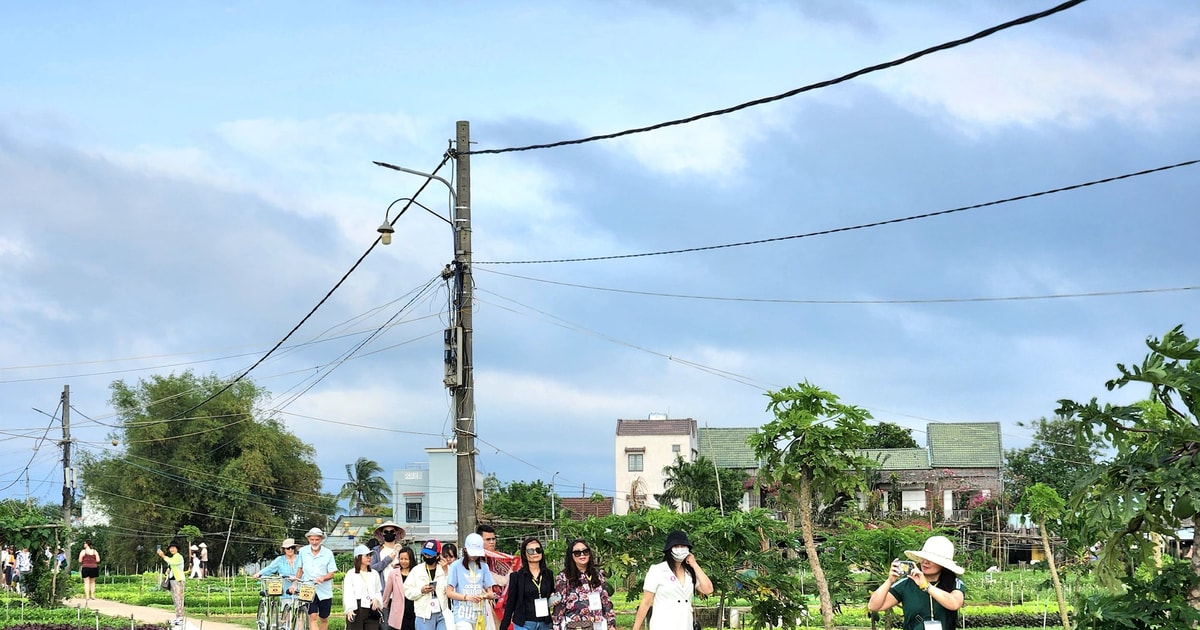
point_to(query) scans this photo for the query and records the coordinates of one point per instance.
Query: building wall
(657, 454)
(435, 487)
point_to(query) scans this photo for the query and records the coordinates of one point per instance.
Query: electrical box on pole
(453, 357)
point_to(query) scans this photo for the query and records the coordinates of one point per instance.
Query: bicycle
(270, 591)
(294, 615)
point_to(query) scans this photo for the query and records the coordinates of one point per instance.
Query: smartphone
(158, 547)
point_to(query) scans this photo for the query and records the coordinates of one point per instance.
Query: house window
(412, 512)
(635, 462)
(674, 448)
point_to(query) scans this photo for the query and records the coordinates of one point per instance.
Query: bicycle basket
(274, 586)
(307, 592)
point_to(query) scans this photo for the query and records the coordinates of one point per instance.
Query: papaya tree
(810, 453)
(1152, 483)
(1044, 506)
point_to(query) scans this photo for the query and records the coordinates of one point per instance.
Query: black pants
(364, 619)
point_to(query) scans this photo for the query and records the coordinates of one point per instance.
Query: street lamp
(459, 377)
(553, 519)
(387, 228)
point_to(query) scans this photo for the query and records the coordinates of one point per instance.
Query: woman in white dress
(670, 586)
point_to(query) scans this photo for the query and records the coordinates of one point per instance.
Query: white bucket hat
(938, 550)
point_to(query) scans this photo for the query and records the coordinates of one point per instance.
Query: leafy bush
(1151, 602)
(46, 588)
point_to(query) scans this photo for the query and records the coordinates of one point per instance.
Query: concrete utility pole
(68, 474)
(464, 393)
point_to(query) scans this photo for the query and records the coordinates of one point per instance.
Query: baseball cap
(431, 548)
(473, 546)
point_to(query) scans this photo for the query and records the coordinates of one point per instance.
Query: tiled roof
(898, 458)
(965, 444)
(656, 427)
(583, 507)
(727, 446)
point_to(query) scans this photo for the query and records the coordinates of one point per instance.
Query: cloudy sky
(182, 183)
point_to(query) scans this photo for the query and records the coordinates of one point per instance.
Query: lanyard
(537, 582)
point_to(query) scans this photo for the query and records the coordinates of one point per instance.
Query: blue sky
(183, 182)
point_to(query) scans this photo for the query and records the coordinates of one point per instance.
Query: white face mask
(680, 553)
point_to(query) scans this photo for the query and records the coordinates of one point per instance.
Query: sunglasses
(533, 551)
(579, 553)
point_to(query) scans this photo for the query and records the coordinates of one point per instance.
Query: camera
(906, 566)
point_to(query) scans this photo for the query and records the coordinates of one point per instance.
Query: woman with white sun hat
(930, 594)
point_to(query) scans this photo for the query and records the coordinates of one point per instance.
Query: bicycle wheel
(261, 618)
(273, 614)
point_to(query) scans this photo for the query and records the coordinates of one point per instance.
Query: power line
(320, 303)
(1033, 17)
(951, 300)
(861, 226)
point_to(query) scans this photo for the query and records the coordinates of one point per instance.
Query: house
(962, 462)
(425, 495)
(727, 447)
(643, 448)
(349, 531)
(582, 508)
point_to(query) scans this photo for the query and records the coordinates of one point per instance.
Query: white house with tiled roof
(643, 448)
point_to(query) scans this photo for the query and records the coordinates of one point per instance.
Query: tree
(187, 460)
(810, 453)
(515, 501)
(1044, 505)
(1152, 482)
(889, 435)
(365, 491)
(1057, 457)
(697, 484)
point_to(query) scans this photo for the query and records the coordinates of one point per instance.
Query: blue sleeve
(271, 569)
(452, 577)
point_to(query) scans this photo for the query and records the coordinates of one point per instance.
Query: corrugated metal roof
(898, 458)
(965, 444)
(727, 446)
(656, 427)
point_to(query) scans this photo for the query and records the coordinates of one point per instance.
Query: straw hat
(379, 531)
(938, 550)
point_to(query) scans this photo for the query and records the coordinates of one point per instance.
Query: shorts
(89, 572)
(321, 607)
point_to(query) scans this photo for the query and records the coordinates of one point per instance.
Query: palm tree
(366, 489)
(689, 483)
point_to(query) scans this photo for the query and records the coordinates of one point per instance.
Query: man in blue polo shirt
(317, 564)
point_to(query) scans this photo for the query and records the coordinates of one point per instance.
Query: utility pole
(464, 393)
(68, 474)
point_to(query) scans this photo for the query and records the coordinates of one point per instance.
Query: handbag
(164, 580)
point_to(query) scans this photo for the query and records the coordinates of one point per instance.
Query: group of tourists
(15, 563)
(391, 587)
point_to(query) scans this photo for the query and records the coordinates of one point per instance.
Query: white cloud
(1063, 81)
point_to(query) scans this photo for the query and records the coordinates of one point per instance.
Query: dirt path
(146, 614)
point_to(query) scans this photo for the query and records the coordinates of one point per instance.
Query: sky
(182, 183)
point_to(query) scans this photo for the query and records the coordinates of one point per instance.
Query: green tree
(1058, 457)
(697, 484)
(889, 435)
(1043, 504)
(810, 453)
(515, 501)
(365, 491)
(1152, 483)
(187, 460)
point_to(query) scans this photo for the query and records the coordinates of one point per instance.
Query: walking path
(146, 614)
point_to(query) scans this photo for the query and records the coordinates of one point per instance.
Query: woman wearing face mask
(425, 588)
(391, 541)
(670, 586)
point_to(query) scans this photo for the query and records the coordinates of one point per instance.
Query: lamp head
(386, 230)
